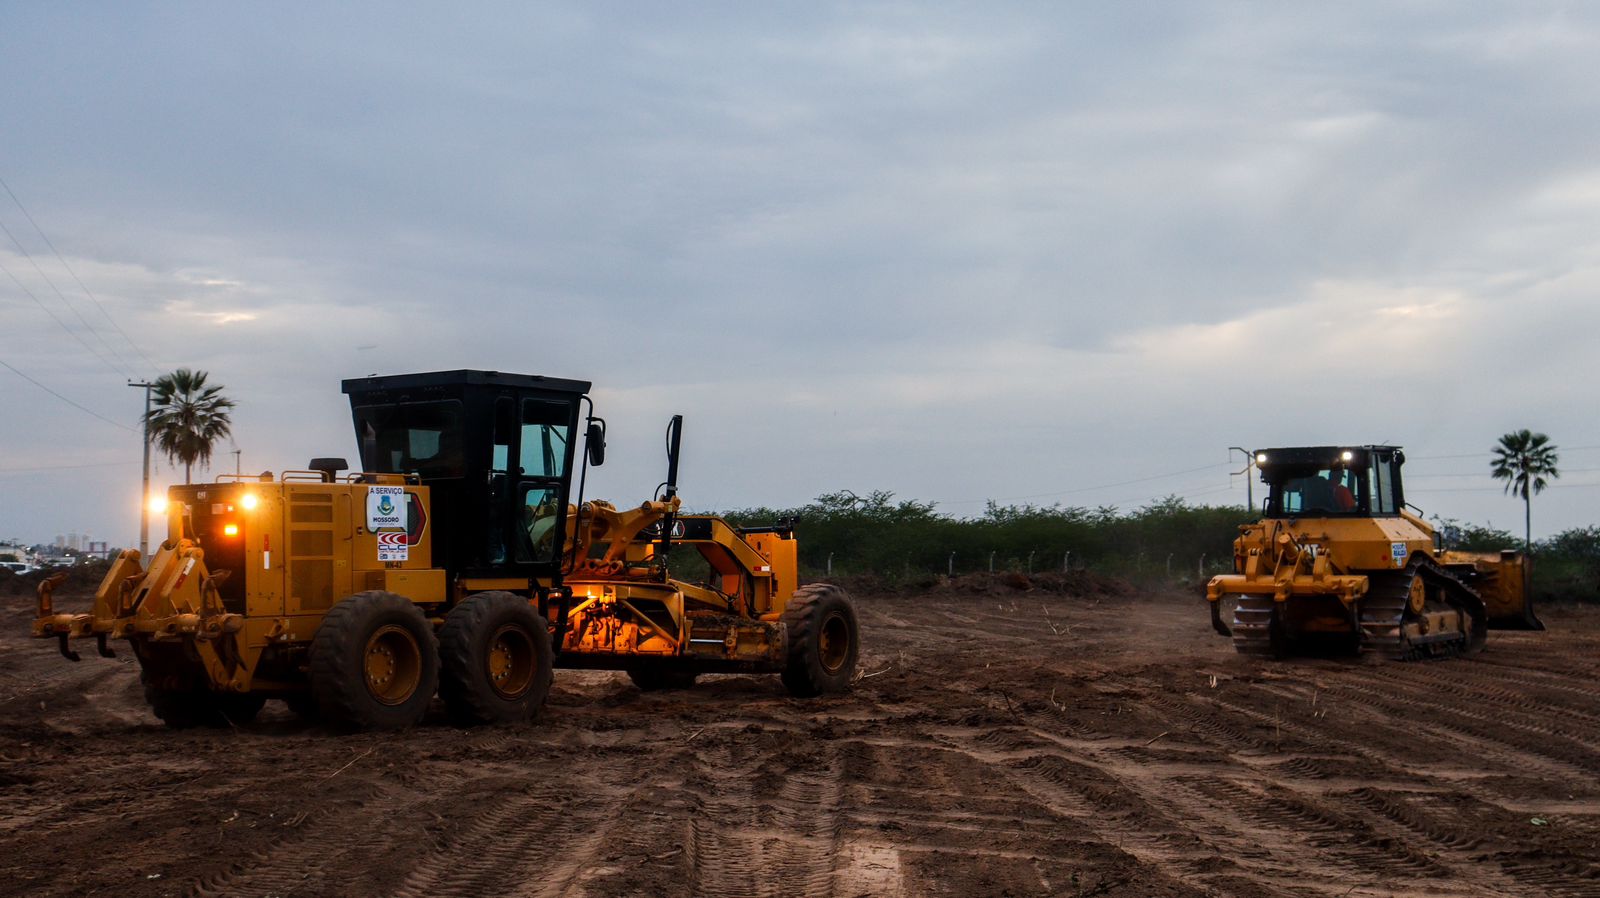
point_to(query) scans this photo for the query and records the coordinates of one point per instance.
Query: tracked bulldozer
(455, 562)
(1339, 563)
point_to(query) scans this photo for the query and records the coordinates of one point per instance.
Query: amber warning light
(230, 529)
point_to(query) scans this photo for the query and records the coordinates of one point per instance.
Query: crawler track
(1390, 620)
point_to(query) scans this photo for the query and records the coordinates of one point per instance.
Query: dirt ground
(1004, 744)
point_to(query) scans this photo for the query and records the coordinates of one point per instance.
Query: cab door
(528, 483)
(544, 452)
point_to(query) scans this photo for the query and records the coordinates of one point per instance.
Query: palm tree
(188, 418)
(1526, 461)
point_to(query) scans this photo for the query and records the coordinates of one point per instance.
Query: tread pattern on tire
(342, 694)
(802, 673)
(460, 666)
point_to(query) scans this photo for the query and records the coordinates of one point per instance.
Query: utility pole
(144, 491)
(1249, 482)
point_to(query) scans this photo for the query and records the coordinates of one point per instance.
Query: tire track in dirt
(310, 853)
(1086, 793)
(1148, 814)
(1463, 829)
(1341, 840)
(759, 831)
(524, 842)
(1474, 733)
(1471, 682)
(920, 803)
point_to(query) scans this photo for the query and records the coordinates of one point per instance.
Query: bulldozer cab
(1332, 481)
(497, 452)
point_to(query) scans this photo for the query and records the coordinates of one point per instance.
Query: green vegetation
(879, 534)
(899, 539)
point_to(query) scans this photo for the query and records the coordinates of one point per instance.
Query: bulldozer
(455, 562)
(1340, 564)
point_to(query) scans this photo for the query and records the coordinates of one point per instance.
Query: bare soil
(1004, 741)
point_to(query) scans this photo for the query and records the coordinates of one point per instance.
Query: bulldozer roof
(463, 376)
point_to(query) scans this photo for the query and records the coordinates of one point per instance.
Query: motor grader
(455, 561)
(1340, 564)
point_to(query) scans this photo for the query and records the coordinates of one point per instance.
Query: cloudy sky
(1032, 253)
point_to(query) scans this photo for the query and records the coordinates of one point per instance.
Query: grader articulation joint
(455, 560)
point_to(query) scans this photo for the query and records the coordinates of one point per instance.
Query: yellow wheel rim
(393, 662)
(511, 662)
(833, 642)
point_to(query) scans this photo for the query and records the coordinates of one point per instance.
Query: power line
(102, 464)
(1086, 489)
(57, 319)
(1489, 453)
(1563, 473)
(86, 291)
(87, 411)
(1496, 489)
(64, 301)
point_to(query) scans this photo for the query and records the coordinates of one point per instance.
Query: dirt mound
(79, 579)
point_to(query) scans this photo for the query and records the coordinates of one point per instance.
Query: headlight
(157, 504)
(1346, 455)
(248, 503)
(1261, 458)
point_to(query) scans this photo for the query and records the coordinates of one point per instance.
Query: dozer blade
(1501, 578)
(1523, 619)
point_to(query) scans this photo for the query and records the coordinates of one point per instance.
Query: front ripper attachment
(1217, 623)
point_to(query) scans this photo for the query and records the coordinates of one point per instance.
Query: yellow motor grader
(1340, 564)
(454, 562)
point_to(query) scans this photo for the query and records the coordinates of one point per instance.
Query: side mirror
(595, 443)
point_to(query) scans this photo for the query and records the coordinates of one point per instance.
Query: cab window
(1380, 483)
(422, 437)
(1327, 491)
(546, 430)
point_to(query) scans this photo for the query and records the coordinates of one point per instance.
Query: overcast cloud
(956, 252)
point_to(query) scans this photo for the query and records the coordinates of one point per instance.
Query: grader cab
(456, 561)
(1339, 563)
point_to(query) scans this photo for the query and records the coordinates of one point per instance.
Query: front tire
(824, 640)
(497, 661)
(374, 663)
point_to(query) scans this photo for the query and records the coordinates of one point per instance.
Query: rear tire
(374, 663)
(824, 640)
(496, 660)
(656, 679)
